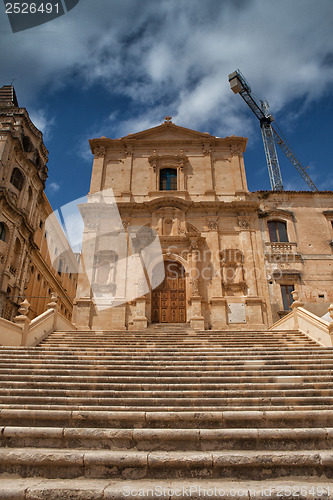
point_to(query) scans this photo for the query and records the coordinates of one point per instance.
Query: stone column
(218, 302)
(98, 170)
(181, 175)
(196, 320)
(128, 171)
(209, 180)
(140, 319)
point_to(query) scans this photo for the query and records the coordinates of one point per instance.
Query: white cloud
(180, 53)
(42, 121)
(53, 187)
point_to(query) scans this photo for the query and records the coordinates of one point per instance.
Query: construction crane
(270, 136)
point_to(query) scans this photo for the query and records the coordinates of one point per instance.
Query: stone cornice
(168, 135)
(215, 206)
(167, 160)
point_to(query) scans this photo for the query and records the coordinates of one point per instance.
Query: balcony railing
(281, 247)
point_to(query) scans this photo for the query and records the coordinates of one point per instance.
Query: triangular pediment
(166, 132)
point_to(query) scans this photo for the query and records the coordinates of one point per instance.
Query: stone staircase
(167, 413)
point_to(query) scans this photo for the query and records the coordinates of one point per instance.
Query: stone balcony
(282, 251)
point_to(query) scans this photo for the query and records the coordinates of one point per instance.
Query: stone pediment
(168, 201)
(168, 132)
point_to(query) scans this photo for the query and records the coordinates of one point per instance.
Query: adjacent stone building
(232, 258)
(25, 265)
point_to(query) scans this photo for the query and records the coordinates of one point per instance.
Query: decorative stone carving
(234, 149)
(233, 272)
(99, 152)
(129, 150)
(170, 221)
(212, 225)
(195, 286)
(243, 223)
(206, 149)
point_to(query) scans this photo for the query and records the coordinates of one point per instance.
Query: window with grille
(168, 179)
(277, 231)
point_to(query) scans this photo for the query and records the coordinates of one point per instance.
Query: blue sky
(113, 67)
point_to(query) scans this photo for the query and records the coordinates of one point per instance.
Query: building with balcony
(231, 257)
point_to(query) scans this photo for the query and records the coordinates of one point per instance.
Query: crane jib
(239, 85)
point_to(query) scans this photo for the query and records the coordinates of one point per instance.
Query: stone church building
(232, 257)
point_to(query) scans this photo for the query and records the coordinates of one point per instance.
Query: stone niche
(169, 221)
(233, 272)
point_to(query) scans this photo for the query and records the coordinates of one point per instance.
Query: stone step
(166, 405)
(168, 370)
(172, 403)
(202, 381)
(228, 419)
(170, 392)
(82, 358)
(168, 352)
(187, 331)
(240, 464)
(15, 488)
(171, 361)
(172, 348)
(168, 439)
(181, 339)
(188, 348)
(198, 363)
(223, 345)
(138, 370)
(277, 341)
(110, 385)
(262, 406)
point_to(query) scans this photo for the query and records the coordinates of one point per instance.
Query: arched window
(168, 179)
(27, 144)
(17, 179)
(277, 231)
(3, 232)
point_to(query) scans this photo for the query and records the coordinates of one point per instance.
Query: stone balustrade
(302, 320)
(24, 332)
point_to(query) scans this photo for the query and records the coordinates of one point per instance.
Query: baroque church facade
(232, 258)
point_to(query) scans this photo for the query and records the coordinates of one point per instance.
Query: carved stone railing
(281, 247)
(24, 332)
(302, 320)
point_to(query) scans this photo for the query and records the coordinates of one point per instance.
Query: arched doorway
(169, 298)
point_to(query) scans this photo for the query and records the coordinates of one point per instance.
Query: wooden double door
(169, 298)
